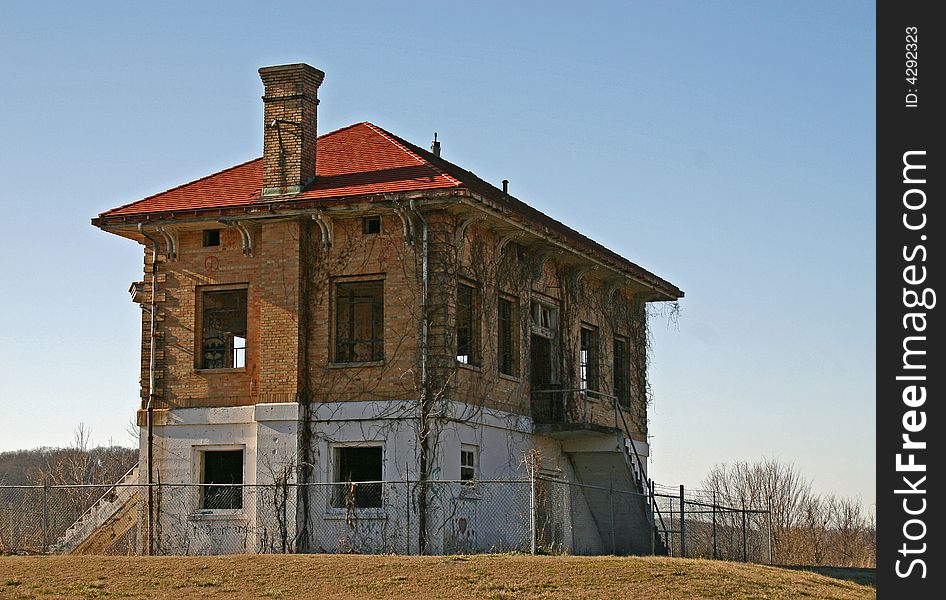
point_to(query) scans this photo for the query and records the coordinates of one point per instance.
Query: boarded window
(223, 329)
(468, 324)
(508, 332)
(621, 388)
(359, 321)
(588, 360)
(354, 464)
(222, 467)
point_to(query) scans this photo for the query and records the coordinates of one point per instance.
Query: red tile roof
(355, 160)
(363, 159)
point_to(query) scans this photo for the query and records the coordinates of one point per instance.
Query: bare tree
(806, 528)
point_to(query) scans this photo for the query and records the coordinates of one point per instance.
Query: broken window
(621, 390)
(371, 225)
(588, 360)
(468, 324)
(359, 321)
(544, 319)
(544, 346)
(223, 329)
(508, 342)
(221, 467)
(468, 463)
(354, 464)
(211, 237)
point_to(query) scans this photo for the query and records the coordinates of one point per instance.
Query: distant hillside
(105, 464)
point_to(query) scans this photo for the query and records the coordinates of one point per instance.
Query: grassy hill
(347, 576)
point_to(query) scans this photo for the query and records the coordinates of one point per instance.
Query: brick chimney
(290, 106)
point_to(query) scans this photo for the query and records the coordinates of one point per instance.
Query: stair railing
(101, 499)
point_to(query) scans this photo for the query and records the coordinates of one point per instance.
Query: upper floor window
(508, 337)
(359, 321)
(370, 225)
(223, 329)
(588, 360)
(211, 237)
(621, 388)
(468, 324)
(544, 320)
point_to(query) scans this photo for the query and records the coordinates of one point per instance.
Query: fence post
(745, 542)
(653, 518)
(407, 508)
(532, 502)
(715, 551)
(45, 514)
(611, 511)
(768, 515)
(683, 527)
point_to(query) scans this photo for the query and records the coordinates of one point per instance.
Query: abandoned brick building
(350, 307)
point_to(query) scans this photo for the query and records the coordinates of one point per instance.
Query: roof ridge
(171, 189)
(396, 140)
(340, 129)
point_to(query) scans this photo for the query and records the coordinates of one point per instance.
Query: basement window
(359, 321)
(211, 237)
(468, 325)
(221, 472)
(508, 337)
(353, 466)
(371, 225)
(469, 471)
(588, 360)
(621, 379)
(223, 329)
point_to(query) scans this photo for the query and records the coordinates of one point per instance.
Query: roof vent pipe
(506, 186)
(435, 146)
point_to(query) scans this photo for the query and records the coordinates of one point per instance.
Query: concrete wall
(268, 436)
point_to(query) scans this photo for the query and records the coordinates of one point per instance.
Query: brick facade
(290, 279)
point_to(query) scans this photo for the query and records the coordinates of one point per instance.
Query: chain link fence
(706, 524)
(535, 515)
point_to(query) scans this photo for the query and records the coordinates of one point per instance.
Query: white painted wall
(266, 433)
(462, 519)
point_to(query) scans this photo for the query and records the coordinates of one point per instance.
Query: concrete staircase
(625, 522)
(106, 521)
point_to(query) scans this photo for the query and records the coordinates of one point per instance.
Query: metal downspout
(423, 338)
(151, 382)
(422, 425)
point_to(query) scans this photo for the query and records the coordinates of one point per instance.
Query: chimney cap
(294, 68)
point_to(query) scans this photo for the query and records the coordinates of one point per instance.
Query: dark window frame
(222, 336)
(468, 324)
(508, 331)
(210, 238)
(350, 296)
(371, 225)
(216, 467)
(622, 379)
(589, 359)
(350, 466)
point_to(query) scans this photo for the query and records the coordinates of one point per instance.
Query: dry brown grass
(344, 576)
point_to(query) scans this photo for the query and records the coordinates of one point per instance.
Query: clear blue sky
(727, 146)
